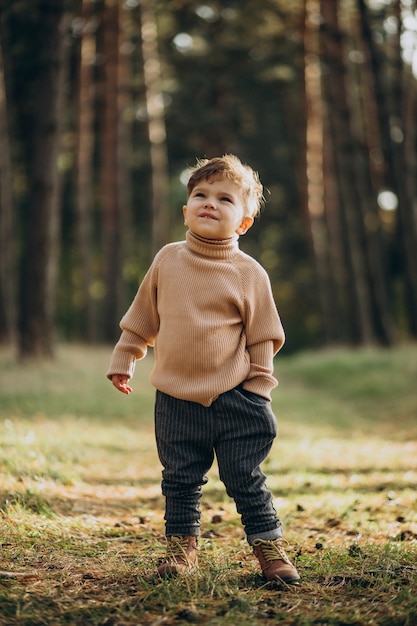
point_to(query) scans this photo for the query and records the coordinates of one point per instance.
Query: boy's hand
(120, 382)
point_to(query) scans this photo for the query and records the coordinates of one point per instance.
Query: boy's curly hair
(229, 166)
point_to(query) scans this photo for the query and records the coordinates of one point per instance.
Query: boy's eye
(226, 199)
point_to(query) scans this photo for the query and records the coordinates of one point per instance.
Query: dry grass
(81, 515)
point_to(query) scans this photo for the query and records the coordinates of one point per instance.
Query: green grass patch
(72, 385)
(368, 390)
(81, 513)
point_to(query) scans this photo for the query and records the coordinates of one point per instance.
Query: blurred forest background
(104, 104)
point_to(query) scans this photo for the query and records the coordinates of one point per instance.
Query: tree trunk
(156, 126)
(343, 331)
(366, 137)
(7, 230)
(315, 170)
(350, 201)
(112, 222)
(410, 156)
(402, 171)
(396, 137)
(124, 131)
(84, 174)
(40, 249)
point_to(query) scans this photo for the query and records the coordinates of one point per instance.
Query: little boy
(208, 310)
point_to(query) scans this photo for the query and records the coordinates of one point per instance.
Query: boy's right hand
(120, 382)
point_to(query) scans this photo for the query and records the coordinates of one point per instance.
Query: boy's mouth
(208, 215)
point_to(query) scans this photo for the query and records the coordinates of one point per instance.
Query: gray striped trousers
(239, 428)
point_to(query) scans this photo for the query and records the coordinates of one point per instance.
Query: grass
(81, 515)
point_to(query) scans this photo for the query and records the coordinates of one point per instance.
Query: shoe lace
(178, 546)
(272, 549)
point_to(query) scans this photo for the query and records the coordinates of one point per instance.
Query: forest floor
(81, 514)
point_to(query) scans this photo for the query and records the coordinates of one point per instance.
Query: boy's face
(215, 210)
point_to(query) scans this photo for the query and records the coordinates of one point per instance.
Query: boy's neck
(214, 241)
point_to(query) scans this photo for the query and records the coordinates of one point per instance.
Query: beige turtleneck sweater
(208, 310)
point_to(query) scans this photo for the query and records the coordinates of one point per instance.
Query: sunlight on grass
(357, 390)
(72, 385)
(81, 512)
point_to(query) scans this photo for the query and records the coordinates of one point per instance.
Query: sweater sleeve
(139, 327)
(264, 333)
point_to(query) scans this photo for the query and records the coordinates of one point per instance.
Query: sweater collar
(221, 249)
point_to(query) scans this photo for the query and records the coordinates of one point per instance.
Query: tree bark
(315, 169)
(366, 137)
(350, 201)
(156, 126)
(84, 171)
(124, 131)
(7, 230)
(112, 222)
(42, 140)
(397, 130)
(407, 219)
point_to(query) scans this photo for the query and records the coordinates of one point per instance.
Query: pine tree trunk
(315, 170)
(350, 201)
(84, 180)
(369, 174)
(402, 172)
(39, 271)
(7, 229)
(343, 331)
(124, 154)
(112, 249)
(396, 137)
(156, 126)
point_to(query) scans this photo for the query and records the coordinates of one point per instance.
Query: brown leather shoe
(274, 562)
(181, 556)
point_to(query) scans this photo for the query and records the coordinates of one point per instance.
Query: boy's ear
(245, 225)
(184, 211)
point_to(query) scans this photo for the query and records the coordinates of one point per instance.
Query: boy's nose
(209, 203)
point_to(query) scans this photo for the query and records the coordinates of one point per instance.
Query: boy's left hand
(120, 382)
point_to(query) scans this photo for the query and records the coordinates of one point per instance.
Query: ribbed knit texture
(208, 310)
